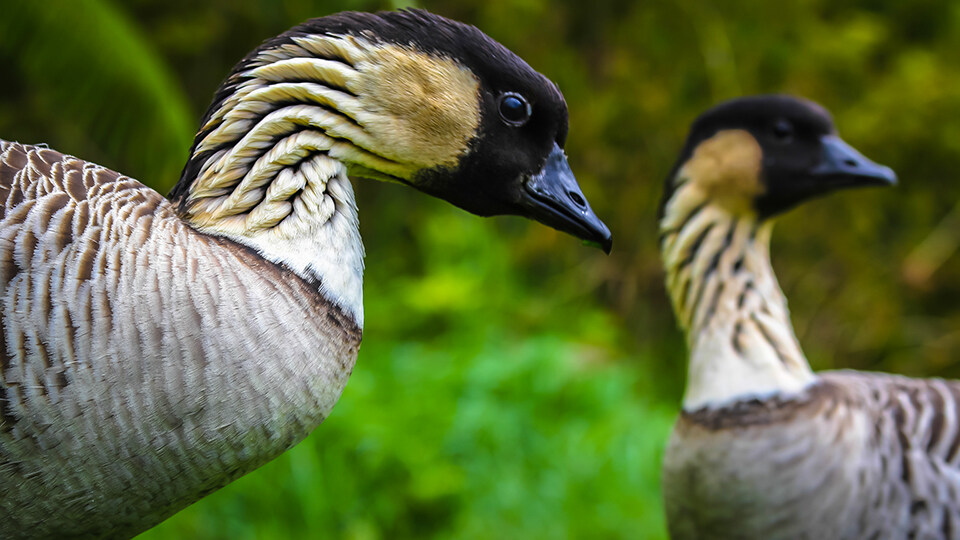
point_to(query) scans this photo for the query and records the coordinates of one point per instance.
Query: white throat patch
(320, 236)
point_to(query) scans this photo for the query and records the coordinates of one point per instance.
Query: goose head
(406, 97)
(762, 155)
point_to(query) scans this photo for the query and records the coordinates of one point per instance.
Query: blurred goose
(764, 447)
(155, 350)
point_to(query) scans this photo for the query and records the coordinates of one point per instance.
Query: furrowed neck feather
(727, 300)
(269, 167)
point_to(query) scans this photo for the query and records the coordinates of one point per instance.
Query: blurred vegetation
(513, 383)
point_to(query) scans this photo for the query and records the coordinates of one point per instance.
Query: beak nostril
(577, 199)
(850, 163)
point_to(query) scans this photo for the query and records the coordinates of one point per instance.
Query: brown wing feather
(856, 455)
(51, 228)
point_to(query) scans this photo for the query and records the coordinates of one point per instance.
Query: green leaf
(94, 88)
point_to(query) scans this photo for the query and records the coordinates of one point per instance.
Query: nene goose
(155, 350)
(765, 448)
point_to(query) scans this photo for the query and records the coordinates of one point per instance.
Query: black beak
(842, 166)
(553, 197)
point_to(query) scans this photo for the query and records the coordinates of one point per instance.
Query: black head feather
(798, 141)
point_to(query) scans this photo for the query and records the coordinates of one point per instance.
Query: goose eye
(783, 130)
(514, 109)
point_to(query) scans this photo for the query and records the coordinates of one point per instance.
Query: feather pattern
(727, 299)
(854, 456)
(155, 414)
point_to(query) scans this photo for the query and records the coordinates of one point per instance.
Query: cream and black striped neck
(267, 169)
(270, 165)
(728, 301)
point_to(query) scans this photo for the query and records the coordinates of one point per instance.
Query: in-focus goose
(764, 447)
(155, 350)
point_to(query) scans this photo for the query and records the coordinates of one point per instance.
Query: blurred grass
(89, 75)
(512, 382)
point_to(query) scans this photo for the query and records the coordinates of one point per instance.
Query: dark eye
(783, 130)
(514, 109)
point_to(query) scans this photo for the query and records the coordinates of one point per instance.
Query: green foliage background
(513, 383)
